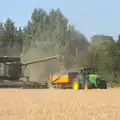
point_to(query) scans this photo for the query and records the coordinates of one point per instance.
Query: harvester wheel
(76, 84)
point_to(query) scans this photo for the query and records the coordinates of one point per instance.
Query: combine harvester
(83, 78)
(12, 70)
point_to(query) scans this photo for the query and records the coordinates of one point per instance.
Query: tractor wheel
(90, 86)
(103, 84)
(76, 84)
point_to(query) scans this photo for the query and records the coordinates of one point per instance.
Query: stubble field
(37, 104)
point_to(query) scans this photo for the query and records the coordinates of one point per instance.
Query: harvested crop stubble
(37, 104)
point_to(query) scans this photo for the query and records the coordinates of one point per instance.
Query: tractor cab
(85, 73)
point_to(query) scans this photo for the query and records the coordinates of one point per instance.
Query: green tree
(19, 38)
(103, 54)
(10, 31)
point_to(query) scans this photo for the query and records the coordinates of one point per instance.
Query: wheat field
(50, 104)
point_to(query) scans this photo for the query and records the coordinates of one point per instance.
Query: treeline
(11, 38)
(52, 32)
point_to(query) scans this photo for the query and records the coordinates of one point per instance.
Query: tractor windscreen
(89, 71)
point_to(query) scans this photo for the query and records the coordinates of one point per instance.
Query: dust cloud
(39, 72)
(10, 50)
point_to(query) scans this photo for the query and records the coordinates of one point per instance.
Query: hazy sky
(89, 16)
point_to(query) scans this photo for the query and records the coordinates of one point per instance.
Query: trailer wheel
(76, 84)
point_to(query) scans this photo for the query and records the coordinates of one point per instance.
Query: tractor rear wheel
(89, 85)
(76, 84)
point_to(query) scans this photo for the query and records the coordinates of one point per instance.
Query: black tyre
(102, 84)
(105, 85)
(89, 85)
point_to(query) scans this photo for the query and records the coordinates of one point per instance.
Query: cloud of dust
(10, 50)
(40, 71)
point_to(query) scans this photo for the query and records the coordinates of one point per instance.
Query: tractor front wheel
(105, 85)
(76, 84)
(102, 84)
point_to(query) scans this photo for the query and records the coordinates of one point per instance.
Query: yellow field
(36, 104)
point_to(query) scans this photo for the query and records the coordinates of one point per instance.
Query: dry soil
(36, 104)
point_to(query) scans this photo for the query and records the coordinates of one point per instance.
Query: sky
(88, 16)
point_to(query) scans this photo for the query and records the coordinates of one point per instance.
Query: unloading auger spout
(41, 60)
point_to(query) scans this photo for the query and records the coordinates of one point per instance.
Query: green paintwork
(92, 79)
(82, 83)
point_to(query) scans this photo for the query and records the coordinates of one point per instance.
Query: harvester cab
(87, 76)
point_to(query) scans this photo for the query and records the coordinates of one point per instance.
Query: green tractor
(87, 77)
